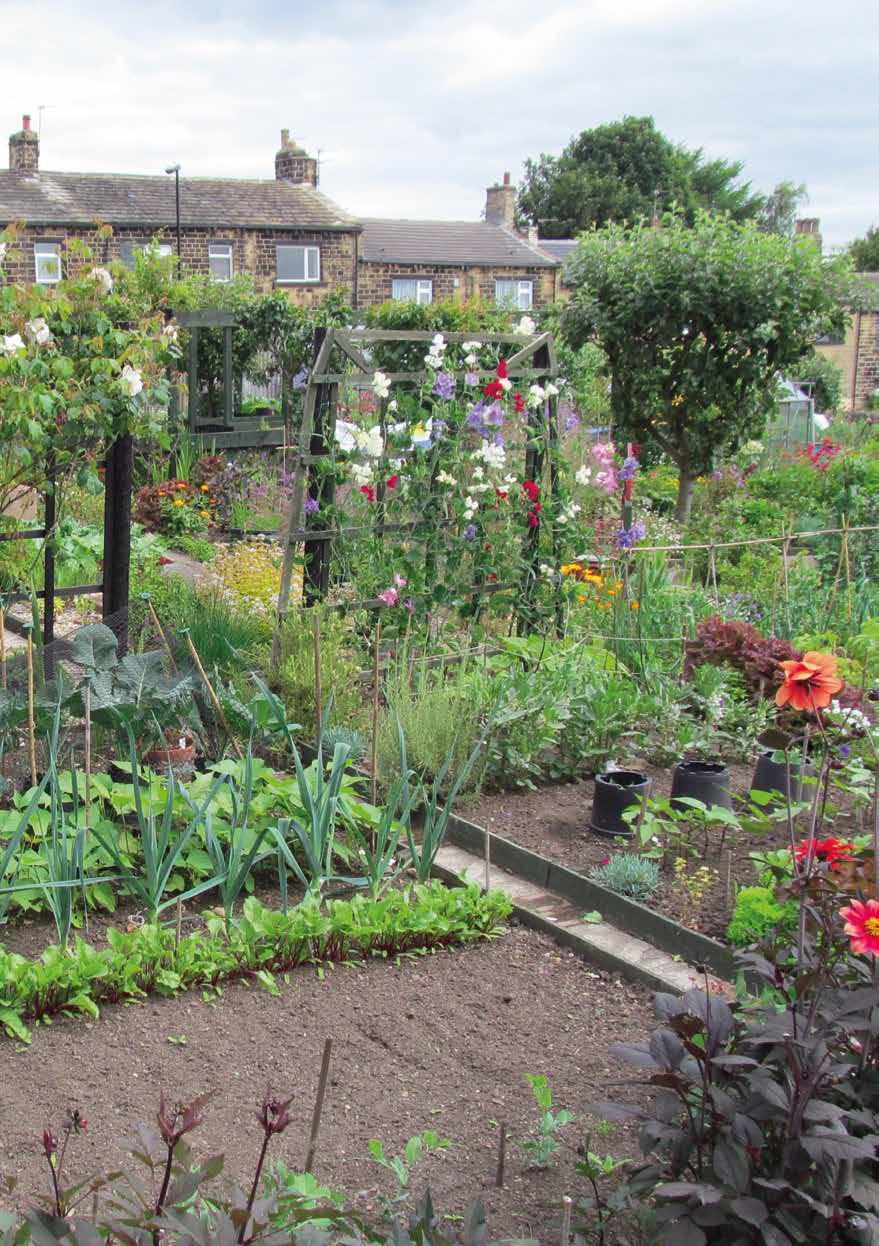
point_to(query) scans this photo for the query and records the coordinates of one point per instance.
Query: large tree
(865, 251)
(625, 171)
(697, 321)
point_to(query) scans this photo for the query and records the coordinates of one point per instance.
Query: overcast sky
(416, 108)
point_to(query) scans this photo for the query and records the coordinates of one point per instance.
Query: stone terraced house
(285, 233)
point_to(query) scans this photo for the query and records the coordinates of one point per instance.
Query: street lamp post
(175, 169)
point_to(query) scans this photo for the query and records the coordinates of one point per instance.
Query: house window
(296, 265)
(47, 262)
(517, 294)
(129, 248)
(220, 260)
(412, 290)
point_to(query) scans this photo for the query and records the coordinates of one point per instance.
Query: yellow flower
(634, 605)
(178, 501)
(205, 488)
(205, 514)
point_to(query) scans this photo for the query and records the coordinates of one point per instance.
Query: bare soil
(439, 1043)
(554, 821)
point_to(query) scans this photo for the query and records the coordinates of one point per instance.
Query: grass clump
(628, 875)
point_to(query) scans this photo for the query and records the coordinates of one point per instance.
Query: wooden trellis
(340, 357)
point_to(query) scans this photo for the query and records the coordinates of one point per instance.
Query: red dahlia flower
(532, 490)
(831, 851)
(862, 926)
(494, 390)
(810, 682)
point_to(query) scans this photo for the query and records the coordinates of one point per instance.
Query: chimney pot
(506, 179)
(24, 149)
(500, 204)
(285, 138)
(26, 122)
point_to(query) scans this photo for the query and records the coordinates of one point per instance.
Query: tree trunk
(685, 497)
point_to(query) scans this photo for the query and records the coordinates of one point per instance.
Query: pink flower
(389, 596)
(399, 582)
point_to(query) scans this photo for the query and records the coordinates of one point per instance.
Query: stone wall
(375, 281)
(253, 252)
(858, 357)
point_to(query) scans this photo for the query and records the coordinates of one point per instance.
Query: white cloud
(416, 109)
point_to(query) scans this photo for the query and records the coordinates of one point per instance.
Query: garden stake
(785, 549)
(87, 707)
(375, 679)
(318, 691)
(31, 731)
(3, 646)
(179, 926)
(501, 1158)
(214, 698)
(728, 875)
(487, 861)
(158, 626)
(567, 1204)
(319, 1104)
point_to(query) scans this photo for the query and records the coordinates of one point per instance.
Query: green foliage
(779, 212)
(543, 1144)
(628, 171)
(696, 322)
(825, 377)
(628, 875)
(865, 251)
(339, 665)
(758, 915)
(414, 1152)
(263, 943)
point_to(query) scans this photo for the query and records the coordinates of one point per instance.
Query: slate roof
(448, 243)
(126, 199)
(558, 248)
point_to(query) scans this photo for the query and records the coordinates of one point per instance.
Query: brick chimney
(811, 227)
(500, 204)
(293, 164)
(24, 149)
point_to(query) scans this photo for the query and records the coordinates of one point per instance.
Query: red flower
(533, 515)
(831, 851)
(532, 490)
(392, 481)
(494, 389)
(368, 492)
(810, 682)
(502, 494)
(862, 926)
(165, 562)
(520, 403)
(501, 370)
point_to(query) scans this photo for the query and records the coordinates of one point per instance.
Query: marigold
(810, 682)
(178, 502)
(205, 514)
(862, 926)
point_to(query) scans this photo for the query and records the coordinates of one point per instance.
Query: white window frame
(161, 249)
(220, 251)
(423, 290)
(521, 298)
(310, 264)
(41, 250)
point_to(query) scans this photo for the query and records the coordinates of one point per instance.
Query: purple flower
(844, 750)
(409, 604)
(444, 385)
(629, 467)
(389, 597)
(300, 380)
(571, 419)
(437, 428)
(469, 532)
(471, 378)
(312, 506)
(627, 537)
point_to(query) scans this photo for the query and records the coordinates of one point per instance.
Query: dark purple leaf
(666, 1049)
(633, 1053)
(751, 1210)
(731, 1165)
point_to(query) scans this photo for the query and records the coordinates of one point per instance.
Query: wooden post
(567, 1204)
(117, 535)
(87, 706)
(376, 671)
(321, 488)
(214, 698)
(49, 502)
(487, 852)
(501, 1157)
(319, 1105)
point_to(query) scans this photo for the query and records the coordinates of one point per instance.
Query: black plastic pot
(771, 776)
(708, 781)
(615, 792)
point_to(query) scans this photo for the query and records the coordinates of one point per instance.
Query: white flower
(478, 472)
(471, 360)
(434, 361)
(471, 346)
(361, 473)
(345, 435)
(551, 390)
(568, 512)
(171, 331)
(583, 475)
(536, 395)
(392, 405)
(438, 343)
(471, 506)
(509, 480)
(506, 384)
(103, 279)
(381, 385)
(12, 343)
(132, 380)
(38, 331)
(820, 421)
(526, 327)
(2, 252)
(493, 456)
(546, 570)
(371, 442)
(753, 447)
(443, 478)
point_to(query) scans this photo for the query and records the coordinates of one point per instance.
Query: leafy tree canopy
(865, 251)
(697, 321)
(627, 171)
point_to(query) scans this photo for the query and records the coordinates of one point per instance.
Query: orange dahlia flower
(862, 926)
(810, 682)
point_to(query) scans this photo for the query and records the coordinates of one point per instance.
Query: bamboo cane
(87, 705)
(318, 689)
(319, 1105)
(154, 618)
(2, 646)
(214, 698)
(375, 706)
(501, 1157)
(31, 726)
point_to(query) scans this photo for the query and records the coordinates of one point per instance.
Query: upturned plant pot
(178, 752)
(615, 792)
(708, 781)
(772, 776)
